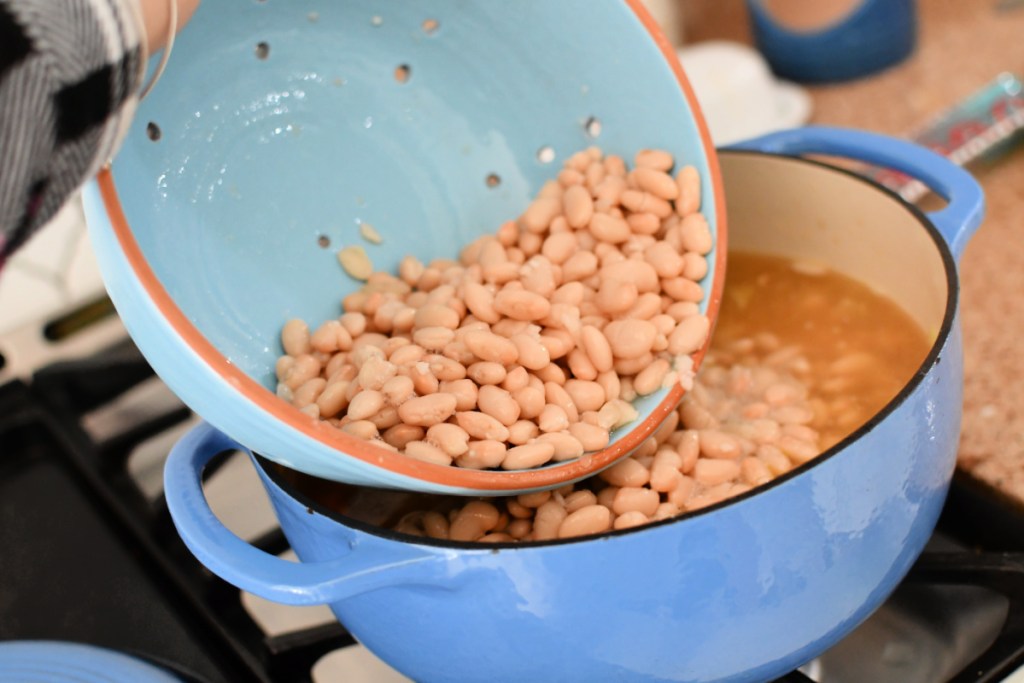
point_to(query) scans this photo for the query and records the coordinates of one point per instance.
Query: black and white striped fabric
(70, 71)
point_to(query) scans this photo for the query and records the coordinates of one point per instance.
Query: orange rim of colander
(444, 475)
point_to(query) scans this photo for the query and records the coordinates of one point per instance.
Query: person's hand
(156, 15)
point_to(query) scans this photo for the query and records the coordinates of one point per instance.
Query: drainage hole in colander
(153, 131)
(376, 20)
(592, 126)
(403, 73)
(430, 26)
(313, 17)
(323, 241)
(493, 180)
(262, 50)
(546, 154)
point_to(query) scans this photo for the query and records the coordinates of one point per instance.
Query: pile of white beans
(529, 347)
(745, 422)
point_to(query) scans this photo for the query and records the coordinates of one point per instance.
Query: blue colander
(281, 125)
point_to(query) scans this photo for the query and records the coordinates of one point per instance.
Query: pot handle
(294, 583)
(957, 221)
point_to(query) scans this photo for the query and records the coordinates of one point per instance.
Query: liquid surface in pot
(861, 346)
(838, 350)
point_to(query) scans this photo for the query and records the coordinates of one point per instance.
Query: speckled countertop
(963, 44)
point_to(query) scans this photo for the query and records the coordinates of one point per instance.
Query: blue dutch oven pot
(742, 591)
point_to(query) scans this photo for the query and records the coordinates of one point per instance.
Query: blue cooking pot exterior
(742, 591)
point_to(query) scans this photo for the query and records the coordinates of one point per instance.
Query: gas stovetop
(90, 555)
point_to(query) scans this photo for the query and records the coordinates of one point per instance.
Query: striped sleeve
(70, 71)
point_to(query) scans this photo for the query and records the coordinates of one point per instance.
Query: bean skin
(488, 346)
(607, 228)
(553, 418)
(521, 305)
(580, 365)
(433, 338)
(473, 521)
(528, 456)
(522, 432)
(592, 519)
(362, 429)
(627, 472)
(579, 498)
(688, 181)
(630, 520)
(640, 273)
(579, 266)
(426, 411)
(658, 183)
(696, 234)
(681, 289)
(567, 446)
(656, 159)
(718, 444)
(540, 214)
(630, 338)
(486, 373)
(305, 368)
(515, 378)
(485, 454)
(309, 392)
(436, 315)
(597, 348)
(665, 260)
(643, 223)
(548, 520)
(445, 369)
(533, 500)
(480, 302)
(578, 206)
(481, 426)
(401, 434)
(531, 353)
(592, 437)
(332, 400)
(421, 450)
(586, 395)
(640, 202)
(555, 394)
(366, 403)
(665, 469)
(636, 499)
(650, 378)
(450, 438)
(710, 472)
(295, 338)
(680, 495)
(695, 266)
(375, 372)
(499, 404)
(331, 337)
(689, 335)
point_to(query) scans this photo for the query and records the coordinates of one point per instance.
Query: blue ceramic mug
(741, 591)
(871, 36)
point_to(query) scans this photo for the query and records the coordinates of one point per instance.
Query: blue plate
(42, 661)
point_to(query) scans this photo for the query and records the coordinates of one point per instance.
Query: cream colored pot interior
(821, 215)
